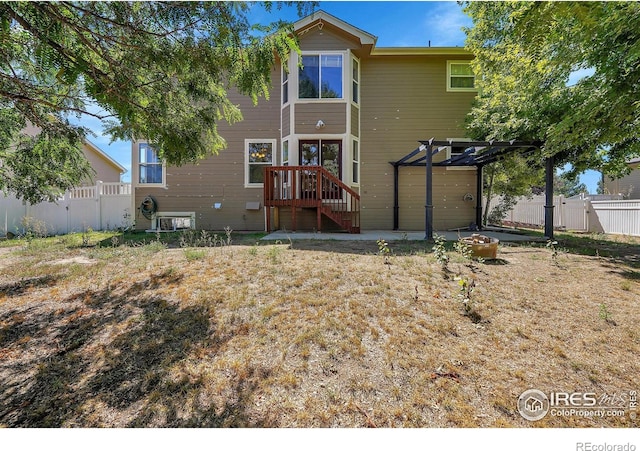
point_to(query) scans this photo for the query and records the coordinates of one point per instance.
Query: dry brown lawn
(317, 334)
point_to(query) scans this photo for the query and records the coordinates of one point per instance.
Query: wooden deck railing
(312, 187)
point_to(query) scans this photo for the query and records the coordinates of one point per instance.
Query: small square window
(460, 77)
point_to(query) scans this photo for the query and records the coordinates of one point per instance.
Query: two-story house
(317, 154)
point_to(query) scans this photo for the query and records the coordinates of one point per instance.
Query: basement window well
(171, 222)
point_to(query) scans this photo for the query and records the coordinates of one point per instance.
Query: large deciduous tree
(526, 53)
(158, 70)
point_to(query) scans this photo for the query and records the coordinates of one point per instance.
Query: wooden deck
(297, 187)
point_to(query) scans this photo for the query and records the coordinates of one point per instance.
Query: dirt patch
(82, 260)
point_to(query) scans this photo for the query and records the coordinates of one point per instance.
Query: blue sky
(396, 24)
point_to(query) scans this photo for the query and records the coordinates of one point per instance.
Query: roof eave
(406, 51)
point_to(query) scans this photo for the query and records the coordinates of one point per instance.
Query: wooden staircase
(312, 187)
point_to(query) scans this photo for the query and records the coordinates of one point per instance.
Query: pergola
(478, 154)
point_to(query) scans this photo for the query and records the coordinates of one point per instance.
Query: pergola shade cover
(478, 154)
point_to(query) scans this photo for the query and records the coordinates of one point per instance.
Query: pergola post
(428, 233)
(479, 183)
(548, 192)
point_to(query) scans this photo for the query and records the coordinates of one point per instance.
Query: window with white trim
(320, 76)
(172, 221)
(355, 76)
(258, 153)
(460, 77)
(285, 153)
(456, 151)
(150, 166)
(355, 163)
(285, 86)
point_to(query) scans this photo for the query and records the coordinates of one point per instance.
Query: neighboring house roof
(104, 156)
(32, 130)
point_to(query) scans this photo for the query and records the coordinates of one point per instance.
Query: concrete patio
(391, 235)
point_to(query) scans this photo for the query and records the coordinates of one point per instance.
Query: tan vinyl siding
(355, 121)
(220, 178)
(405, 100)
(326, 40)
(334, 116)
(449, 189)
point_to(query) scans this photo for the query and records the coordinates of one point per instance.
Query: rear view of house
(317, 154)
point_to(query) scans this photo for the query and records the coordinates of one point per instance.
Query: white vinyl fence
(101, 207)
(594, 213)
(621, 216)
(569, 213)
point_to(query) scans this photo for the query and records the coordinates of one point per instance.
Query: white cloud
(443, 25)
(438, 22)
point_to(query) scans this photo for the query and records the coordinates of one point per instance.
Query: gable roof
(319, 18)
(33, 130)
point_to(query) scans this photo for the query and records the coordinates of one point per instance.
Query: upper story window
(460, 77)
(150, 167)
(285, 86)
(356, 81)
(320, 77)
(457, 151)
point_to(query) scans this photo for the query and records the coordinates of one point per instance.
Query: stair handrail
(337, 181)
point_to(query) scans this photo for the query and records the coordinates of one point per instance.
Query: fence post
(99, 194)
(586, 209)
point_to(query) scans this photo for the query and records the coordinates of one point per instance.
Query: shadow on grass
(113, 351)
(18, 288)
(495, 262)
